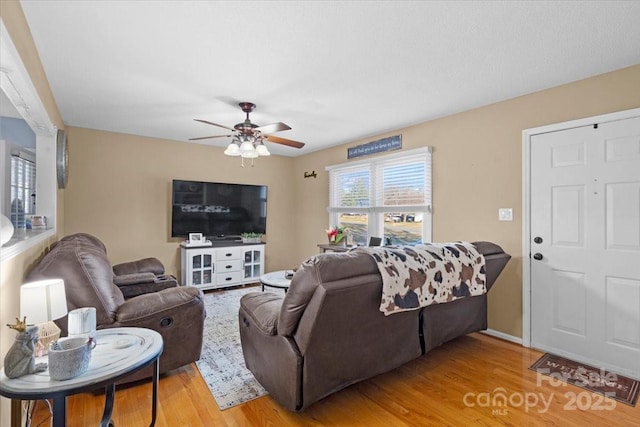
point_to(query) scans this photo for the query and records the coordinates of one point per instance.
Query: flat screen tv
(217, 209)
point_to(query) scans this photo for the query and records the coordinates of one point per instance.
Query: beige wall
(12, 271)
(119, 189)
(477, 168)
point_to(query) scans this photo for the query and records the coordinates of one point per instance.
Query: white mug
(82, 322)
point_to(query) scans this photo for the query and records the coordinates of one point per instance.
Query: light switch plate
(505, 214)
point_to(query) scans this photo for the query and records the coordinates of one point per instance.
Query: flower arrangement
(337, 235)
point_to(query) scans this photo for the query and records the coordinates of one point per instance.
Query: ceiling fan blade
(273, 128)
(289, 142)
(214, 124)
(209, 137)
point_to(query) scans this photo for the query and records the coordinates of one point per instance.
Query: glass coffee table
(276, 279)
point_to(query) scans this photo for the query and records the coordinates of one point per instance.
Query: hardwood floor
(452, 385)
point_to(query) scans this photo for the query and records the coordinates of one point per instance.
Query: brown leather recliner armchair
(134, 277)
(176, 313)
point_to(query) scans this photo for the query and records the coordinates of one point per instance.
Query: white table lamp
(42, 302)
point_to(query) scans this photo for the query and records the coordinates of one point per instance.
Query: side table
(334, 248)
(275, 279)
(119, 352)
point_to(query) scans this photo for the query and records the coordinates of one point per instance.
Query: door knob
(537, 240)
(538, 256)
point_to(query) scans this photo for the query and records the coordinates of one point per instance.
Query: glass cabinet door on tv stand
(253, 262)
(198, 267)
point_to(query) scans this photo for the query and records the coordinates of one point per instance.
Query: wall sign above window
(385, 144)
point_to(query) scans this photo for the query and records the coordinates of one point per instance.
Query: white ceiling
(333, 71)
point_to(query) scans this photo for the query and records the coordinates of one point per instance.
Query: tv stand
(222, 265)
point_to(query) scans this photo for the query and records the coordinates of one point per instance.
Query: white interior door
(585, 244)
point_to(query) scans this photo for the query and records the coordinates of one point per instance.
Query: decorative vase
(338, 239)
(69, 357)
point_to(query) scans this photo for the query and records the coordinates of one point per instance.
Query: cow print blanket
(421, 275)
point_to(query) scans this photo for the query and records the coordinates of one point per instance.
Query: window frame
(18, 87)
(375, 210)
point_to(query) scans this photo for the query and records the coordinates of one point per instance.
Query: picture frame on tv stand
(195, 238)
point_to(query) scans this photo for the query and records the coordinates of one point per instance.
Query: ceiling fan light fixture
(249, 155)
(232, 150)
(248, 151)
(245, 137)
(262, 150)
(247, 147)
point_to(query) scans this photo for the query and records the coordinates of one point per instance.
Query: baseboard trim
(502, 336)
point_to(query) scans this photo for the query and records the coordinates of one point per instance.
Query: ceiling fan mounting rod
(246, 127)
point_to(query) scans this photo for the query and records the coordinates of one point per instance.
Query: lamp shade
(232, 149)
(248, 151)
(6, 230)
(43, 301)
(262, 150)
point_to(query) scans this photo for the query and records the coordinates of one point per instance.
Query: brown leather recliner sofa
(177, 312)
(327, 332)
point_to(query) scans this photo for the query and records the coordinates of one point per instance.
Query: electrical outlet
(505, 214)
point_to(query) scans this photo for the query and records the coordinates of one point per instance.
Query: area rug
(221, 363)
(597, 380)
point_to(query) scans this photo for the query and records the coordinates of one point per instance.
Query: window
(23, 190)
(20, 92)
(389, 197)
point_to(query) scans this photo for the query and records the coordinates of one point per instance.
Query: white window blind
(23, 189)
(403, 182)
(350, 187)
(382, 184)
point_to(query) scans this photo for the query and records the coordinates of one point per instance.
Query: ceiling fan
(251, 134)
